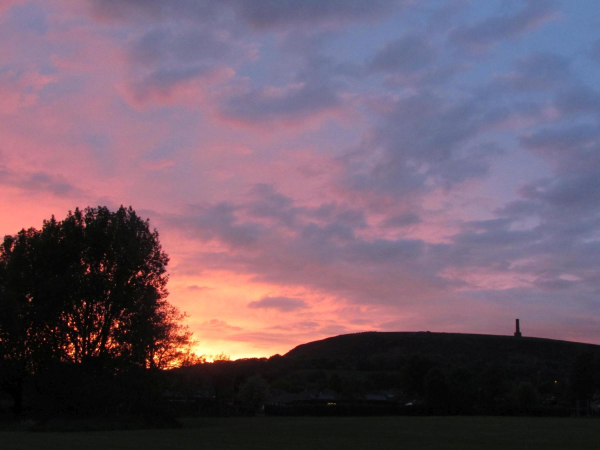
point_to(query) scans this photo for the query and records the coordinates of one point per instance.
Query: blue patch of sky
(359, 43)
(478, 11)
(332, 138)
(584, 29)
(29, 18)
(260, 71)
(501, 58)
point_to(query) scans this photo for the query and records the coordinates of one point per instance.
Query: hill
(442, 344)
(470, 350)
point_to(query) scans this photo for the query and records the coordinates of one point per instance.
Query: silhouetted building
(518, 329)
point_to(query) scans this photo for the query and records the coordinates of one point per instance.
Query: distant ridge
(467, 348)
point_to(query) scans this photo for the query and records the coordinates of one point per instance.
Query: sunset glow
(327, 167)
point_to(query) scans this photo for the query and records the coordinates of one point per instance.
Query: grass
(338, 433)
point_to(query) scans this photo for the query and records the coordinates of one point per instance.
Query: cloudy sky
(319, 167)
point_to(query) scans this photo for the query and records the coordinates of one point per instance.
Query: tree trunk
(16, 391)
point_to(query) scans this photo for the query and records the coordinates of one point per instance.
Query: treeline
(415, 384)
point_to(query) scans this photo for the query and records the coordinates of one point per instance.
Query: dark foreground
(331, 433)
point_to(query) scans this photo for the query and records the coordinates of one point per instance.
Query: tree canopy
(90, 289)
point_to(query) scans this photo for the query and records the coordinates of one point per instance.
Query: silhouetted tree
(462, 389)
(526, 397)
(491, 382)
(335, 382)
(437, 392)
(584, 376)
(30, 337)
(413, 374)
(253, 393)
(89, 290)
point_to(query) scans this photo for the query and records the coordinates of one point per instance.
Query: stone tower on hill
(518, 329)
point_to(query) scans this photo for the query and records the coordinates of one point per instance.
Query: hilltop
(454, 348)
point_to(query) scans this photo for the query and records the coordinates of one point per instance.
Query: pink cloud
(158, 165)
(5, 5)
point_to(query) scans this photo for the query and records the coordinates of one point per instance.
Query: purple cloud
(164, 81)
(402, 220)
(573, 149)
(38, 182)
(283, 304)
(185, 45)
(539, 71)
(493, 29)
(322, 250)
(259, 14)
(198, 10)
(426, 141)
(569, 194)
(578, 100)
(289, 103)
(271, 204)
(406, 55)
(219, 222)
(595, 51)
(265, 14)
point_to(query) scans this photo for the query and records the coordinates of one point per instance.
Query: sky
(322, 167)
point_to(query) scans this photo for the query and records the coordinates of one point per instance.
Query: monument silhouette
(518, 329)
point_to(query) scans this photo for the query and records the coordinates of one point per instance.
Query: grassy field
(338, 433)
